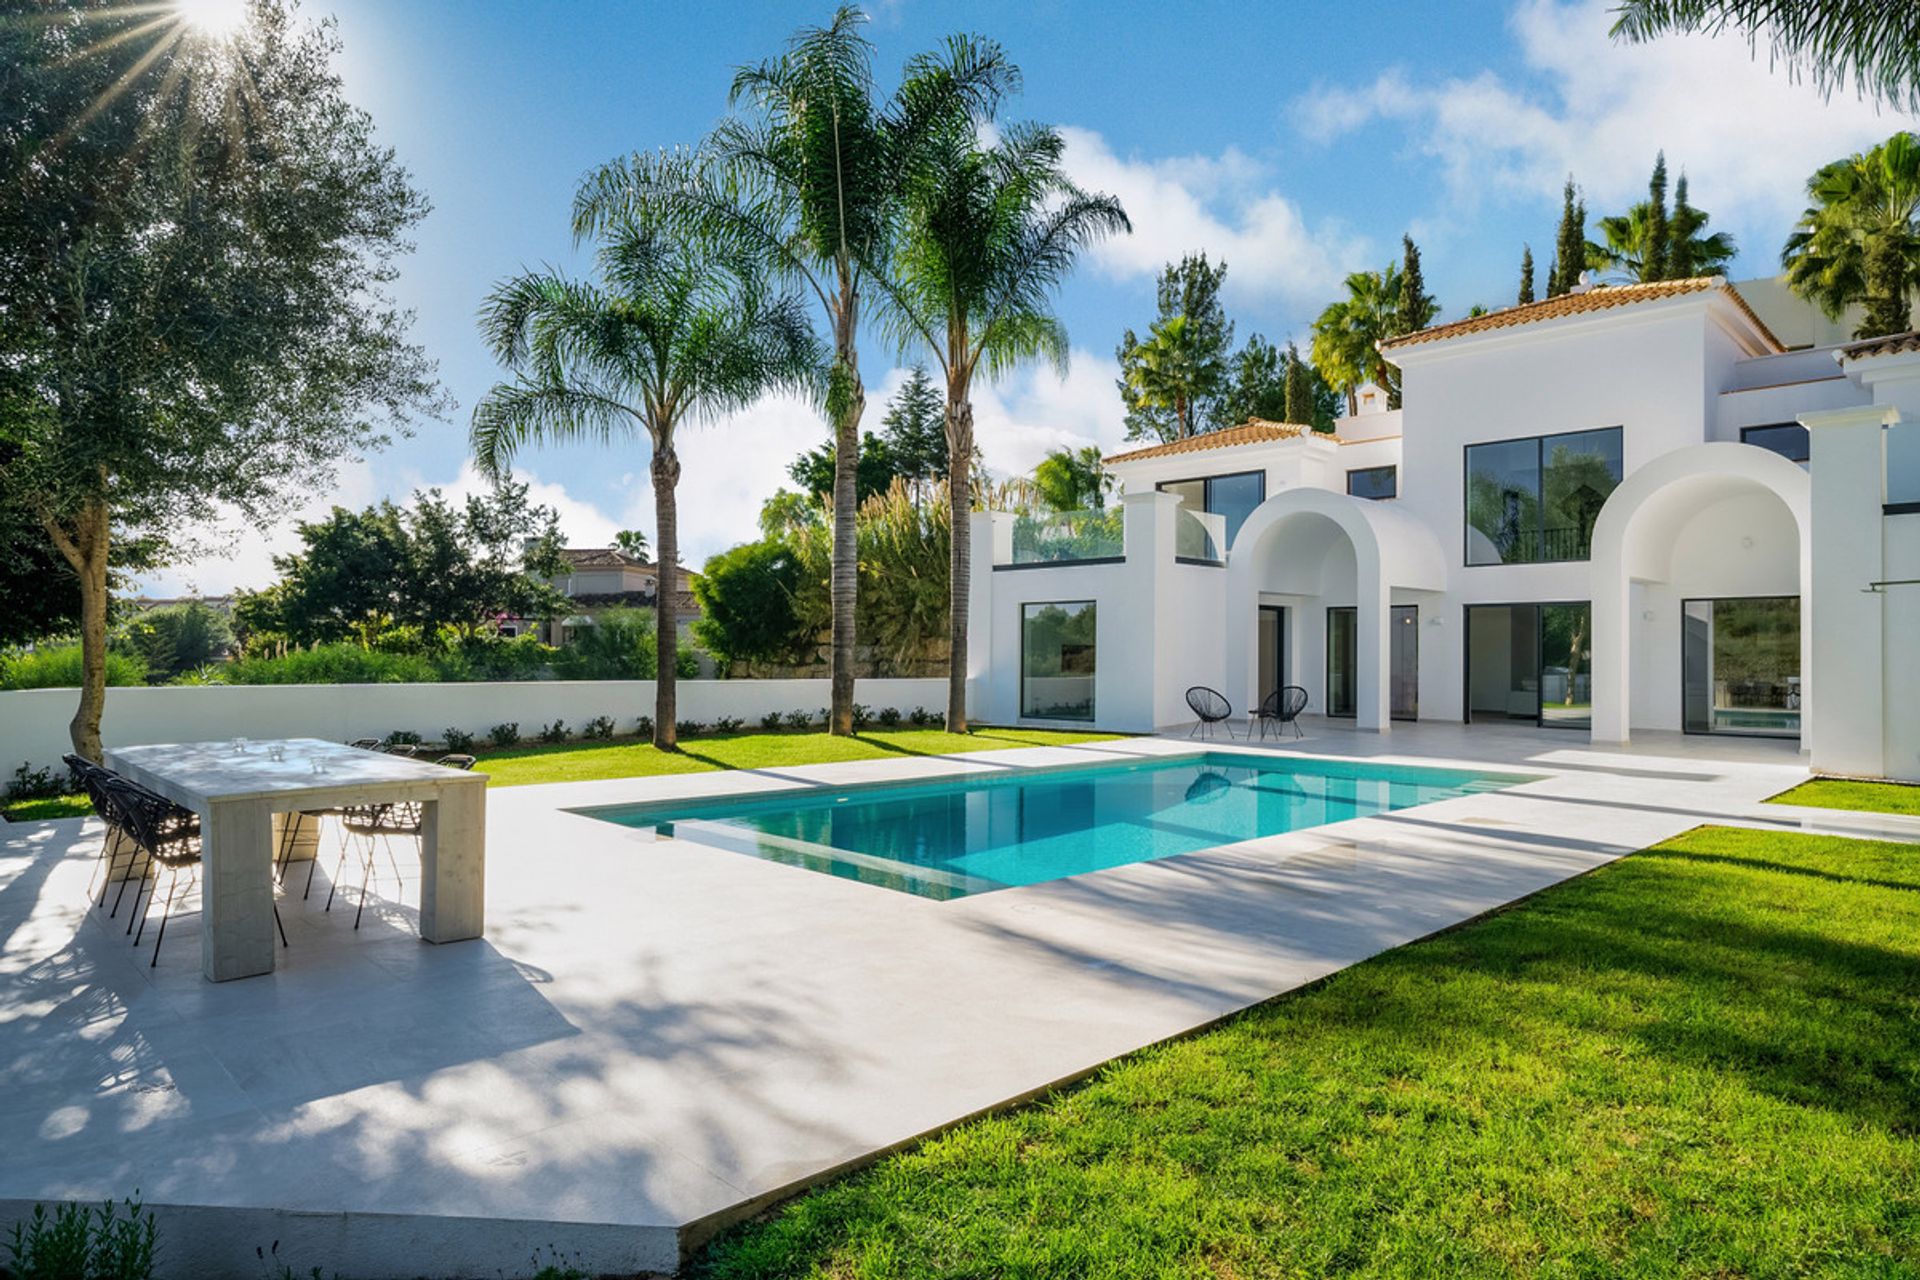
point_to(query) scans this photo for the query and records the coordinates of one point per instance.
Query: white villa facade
(1624, 509)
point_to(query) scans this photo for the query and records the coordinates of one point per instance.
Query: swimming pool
(951, 837)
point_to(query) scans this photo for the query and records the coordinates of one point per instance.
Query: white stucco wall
(33, 722)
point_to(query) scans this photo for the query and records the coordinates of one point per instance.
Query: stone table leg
(453, 864)
(236, 890)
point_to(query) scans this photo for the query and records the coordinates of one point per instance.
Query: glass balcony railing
(1903, 464)
(1193, 539)
(1062, 537)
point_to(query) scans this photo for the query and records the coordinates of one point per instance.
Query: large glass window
(1057, 660)
(1343, 688)
(1537, 499)
(1230, 496)
(1374, 482)
(1788, 439)
(1740, 666)
(1531, 663)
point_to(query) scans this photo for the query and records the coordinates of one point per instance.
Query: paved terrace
(657, 1037)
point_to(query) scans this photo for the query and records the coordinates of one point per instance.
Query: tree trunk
(86, 550)
(666, 515)
(960, 556)
(846, 401)
(1888, 309)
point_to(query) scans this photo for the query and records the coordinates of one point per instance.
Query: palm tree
(810, 181)
(1628, 252)
(1872, 44)
(1072, 480)
(673, 333)
(990, 234)
(1348, 334)
(1175, 370)
(1859, 241)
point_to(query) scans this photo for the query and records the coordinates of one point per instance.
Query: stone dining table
(239, 789)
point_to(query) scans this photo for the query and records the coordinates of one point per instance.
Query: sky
(1297, 142)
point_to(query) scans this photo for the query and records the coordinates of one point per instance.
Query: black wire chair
(290, 832)
(1211, 707)
(93, 780)
(1280, 708)
(169, 836)
(383, 822)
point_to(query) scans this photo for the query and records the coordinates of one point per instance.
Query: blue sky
(1297, 141)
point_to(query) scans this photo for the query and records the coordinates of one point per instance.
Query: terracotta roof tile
(1602, 297)
(1892, 344)
(1252, 431)
(601, 558)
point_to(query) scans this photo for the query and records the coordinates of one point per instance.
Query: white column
(1612, 649)
(1373, 648)
(1848, 650)
(1137, 684)
(236, 889)
(453, 863)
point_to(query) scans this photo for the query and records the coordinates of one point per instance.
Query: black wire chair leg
(127, 875)
(287, 841)
(149, 909)
(173, 889)
(366, 879)
(133, 912)
(281, 925)
(338, 871)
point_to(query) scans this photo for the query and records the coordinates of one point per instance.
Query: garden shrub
(505, 735)
(771, 720)
(59, 668)
(919, 717)
(39, 784)
(688, 728)
(643, 727)
(862, 717)
(555, 732)
(600, 728)
(728, 724)
(404, 736)
(77, 1243)
(889, 717)
(457, 740)
(175, 638)
(798, 719)
(342, 663)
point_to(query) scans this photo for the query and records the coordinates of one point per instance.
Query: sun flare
(216, 19)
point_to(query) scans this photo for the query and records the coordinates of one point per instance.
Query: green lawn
(58, 807)
(1837, 793)
(1703, 1060)
(586, 761)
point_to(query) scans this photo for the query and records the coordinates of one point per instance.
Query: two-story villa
(1592, 513)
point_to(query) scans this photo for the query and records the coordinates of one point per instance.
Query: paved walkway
(656, 1037)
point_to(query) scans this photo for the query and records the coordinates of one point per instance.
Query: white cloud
(1223, 205)
(1035, 411)
(1747, 135)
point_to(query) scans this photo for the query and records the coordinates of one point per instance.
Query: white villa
(1624, 509)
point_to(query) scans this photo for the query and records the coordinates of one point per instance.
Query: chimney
(1585, 283)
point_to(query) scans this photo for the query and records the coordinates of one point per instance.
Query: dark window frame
(1392, 468)
(1206, 496)
(1805, 435)
(1799, 734)
(1093, 698)
(1540, 720)
(1326, 682)
(1540, 471)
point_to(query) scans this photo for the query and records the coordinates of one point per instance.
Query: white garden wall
(33, 722)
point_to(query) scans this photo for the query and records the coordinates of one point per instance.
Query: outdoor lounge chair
(1211, 707)
(1282, 707)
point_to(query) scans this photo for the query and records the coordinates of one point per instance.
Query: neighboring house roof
(1892, 344)
(1252, 431)
(602, 558)
(1603, 297)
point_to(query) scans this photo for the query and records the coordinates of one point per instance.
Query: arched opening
(1309, 589)
(1700, 561)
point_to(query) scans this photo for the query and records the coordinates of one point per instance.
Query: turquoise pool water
(957, 836)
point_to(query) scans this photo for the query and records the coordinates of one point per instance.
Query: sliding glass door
(1740, 666)
(1531, 663)
(1403, 662)
(1272, 646)
(1343, 662)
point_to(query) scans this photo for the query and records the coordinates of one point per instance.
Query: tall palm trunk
(85, 548)
(1889, 307)
(846, 400)
(666, 515)
(960, 555)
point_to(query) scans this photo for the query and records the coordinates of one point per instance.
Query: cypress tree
(1417, 307)
(1570, 244)
(1299, 387)
(1526, 274)
(1657, 263)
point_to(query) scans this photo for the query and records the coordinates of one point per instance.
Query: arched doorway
(1700, 562)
